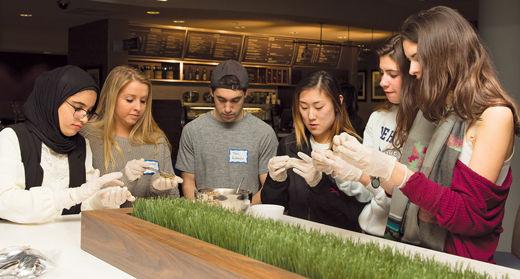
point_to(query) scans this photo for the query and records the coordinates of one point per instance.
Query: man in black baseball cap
(229, 82)
(235, 73)
(227, 144)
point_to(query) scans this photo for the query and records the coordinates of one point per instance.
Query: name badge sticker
(238, 156)
(153, 165)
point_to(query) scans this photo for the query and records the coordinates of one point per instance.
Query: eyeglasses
(80, 113)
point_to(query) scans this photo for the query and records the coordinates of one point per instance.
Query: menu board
(160, 42)
(318, 55)
(213, 46)
(268, 50)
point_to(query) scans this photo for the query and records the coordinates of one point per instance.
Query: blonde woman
(126, 138)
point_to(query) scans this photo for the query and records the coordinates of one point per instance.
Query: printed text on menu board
(158, 42)
(213, 46)
(318, 55)
(268, 50)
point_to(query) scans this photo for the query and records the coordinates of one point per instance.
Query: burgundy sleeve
(472, 206)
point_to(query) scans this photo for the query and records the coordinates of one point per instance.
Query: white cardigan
(35, 205)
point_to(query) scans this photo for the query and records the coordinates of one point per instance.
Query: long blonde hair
(326, 83)
(145, 131)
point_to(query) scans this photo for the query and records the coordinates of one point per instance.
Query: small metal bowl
(226, 197)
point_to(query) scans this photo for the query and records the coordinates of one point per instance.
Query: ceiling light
(162, 0)
(178, 21)
(293, 32)
(26, 15)
(152, 12)
(341, 37)
(240, 27)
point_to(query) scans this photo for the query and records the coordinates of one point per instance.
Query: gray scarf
(433, 150)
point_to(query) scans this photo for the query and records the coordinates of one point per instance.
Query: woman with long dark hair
(293, 181)
(455, 174)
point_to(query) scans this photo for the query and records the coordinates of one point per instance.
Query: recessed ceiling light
(342, 37)
(293, 32)
(26, 15)
(240, 27)
(178, 21)
(152, 12)
(162, 0)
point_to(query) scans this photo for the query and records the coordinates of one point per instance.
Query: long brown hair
(327, 84)
(393, 48)
(454, 64)
(145, 131)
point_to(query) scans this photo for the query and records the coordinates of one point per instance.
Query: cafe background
(92, 34)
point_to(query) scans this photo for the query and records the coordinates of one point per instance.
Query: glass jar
(147, 70)
(169, 72)
(157, 72)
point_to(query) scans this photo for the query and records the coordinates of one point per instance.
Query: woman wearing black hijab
(44, 162)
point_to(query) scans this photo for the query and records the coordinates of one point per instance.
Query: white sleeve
(17, 204)
(369, 133)
(85, 205)
(374, 216)
(353, 189)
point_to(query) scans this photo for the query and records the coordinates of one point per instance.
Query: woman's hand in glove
(317, 161)
(277, 167)
(338, 166)
(134, 169)
(305, 169)
(111, 197)
(68, 197)
(368, 160)
(163, 183)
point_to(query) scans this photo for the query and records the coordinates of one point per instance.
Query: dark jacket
(324, 203)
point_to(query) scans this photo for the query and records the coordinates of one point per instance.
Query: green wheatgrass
(308, 253)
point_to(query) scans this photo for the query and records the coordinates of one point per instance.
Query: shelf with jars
(192, 110)
(164, 70)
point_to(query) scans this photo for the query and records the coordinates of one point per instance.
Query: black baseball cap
(230, 68)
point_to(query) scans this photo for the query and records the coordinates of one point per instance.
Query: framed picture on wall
(94, 73)
(361, 85)
(377, 91)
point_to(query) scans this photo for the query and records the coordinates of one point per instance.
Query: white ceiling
(366, 22)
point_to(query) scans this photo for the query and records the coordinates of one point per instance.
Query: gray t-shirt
(142, 187)
(220, 154)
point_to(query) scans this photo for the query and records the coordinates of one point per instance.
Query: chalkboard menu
(213, 46)
(318, 55)
(159, 42)
(268, 50)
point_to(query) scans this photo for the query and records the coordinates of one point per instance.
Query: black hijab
(51, 89)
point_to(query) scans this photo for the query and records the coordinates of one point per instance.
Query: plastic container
(272, 211)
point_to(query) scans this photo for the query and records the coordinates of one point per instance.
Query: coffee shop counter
(60, 240)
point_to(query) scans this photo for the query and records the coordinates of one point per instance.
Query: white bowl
(272, 211)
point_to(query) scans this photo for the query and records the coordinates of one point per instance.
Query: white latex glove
(305, 169)
(68, 197)
(340, 168)
(111, 197)
(163, 183)
(277, 167)
(134, 169)
(368, 160)
(317, 154)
